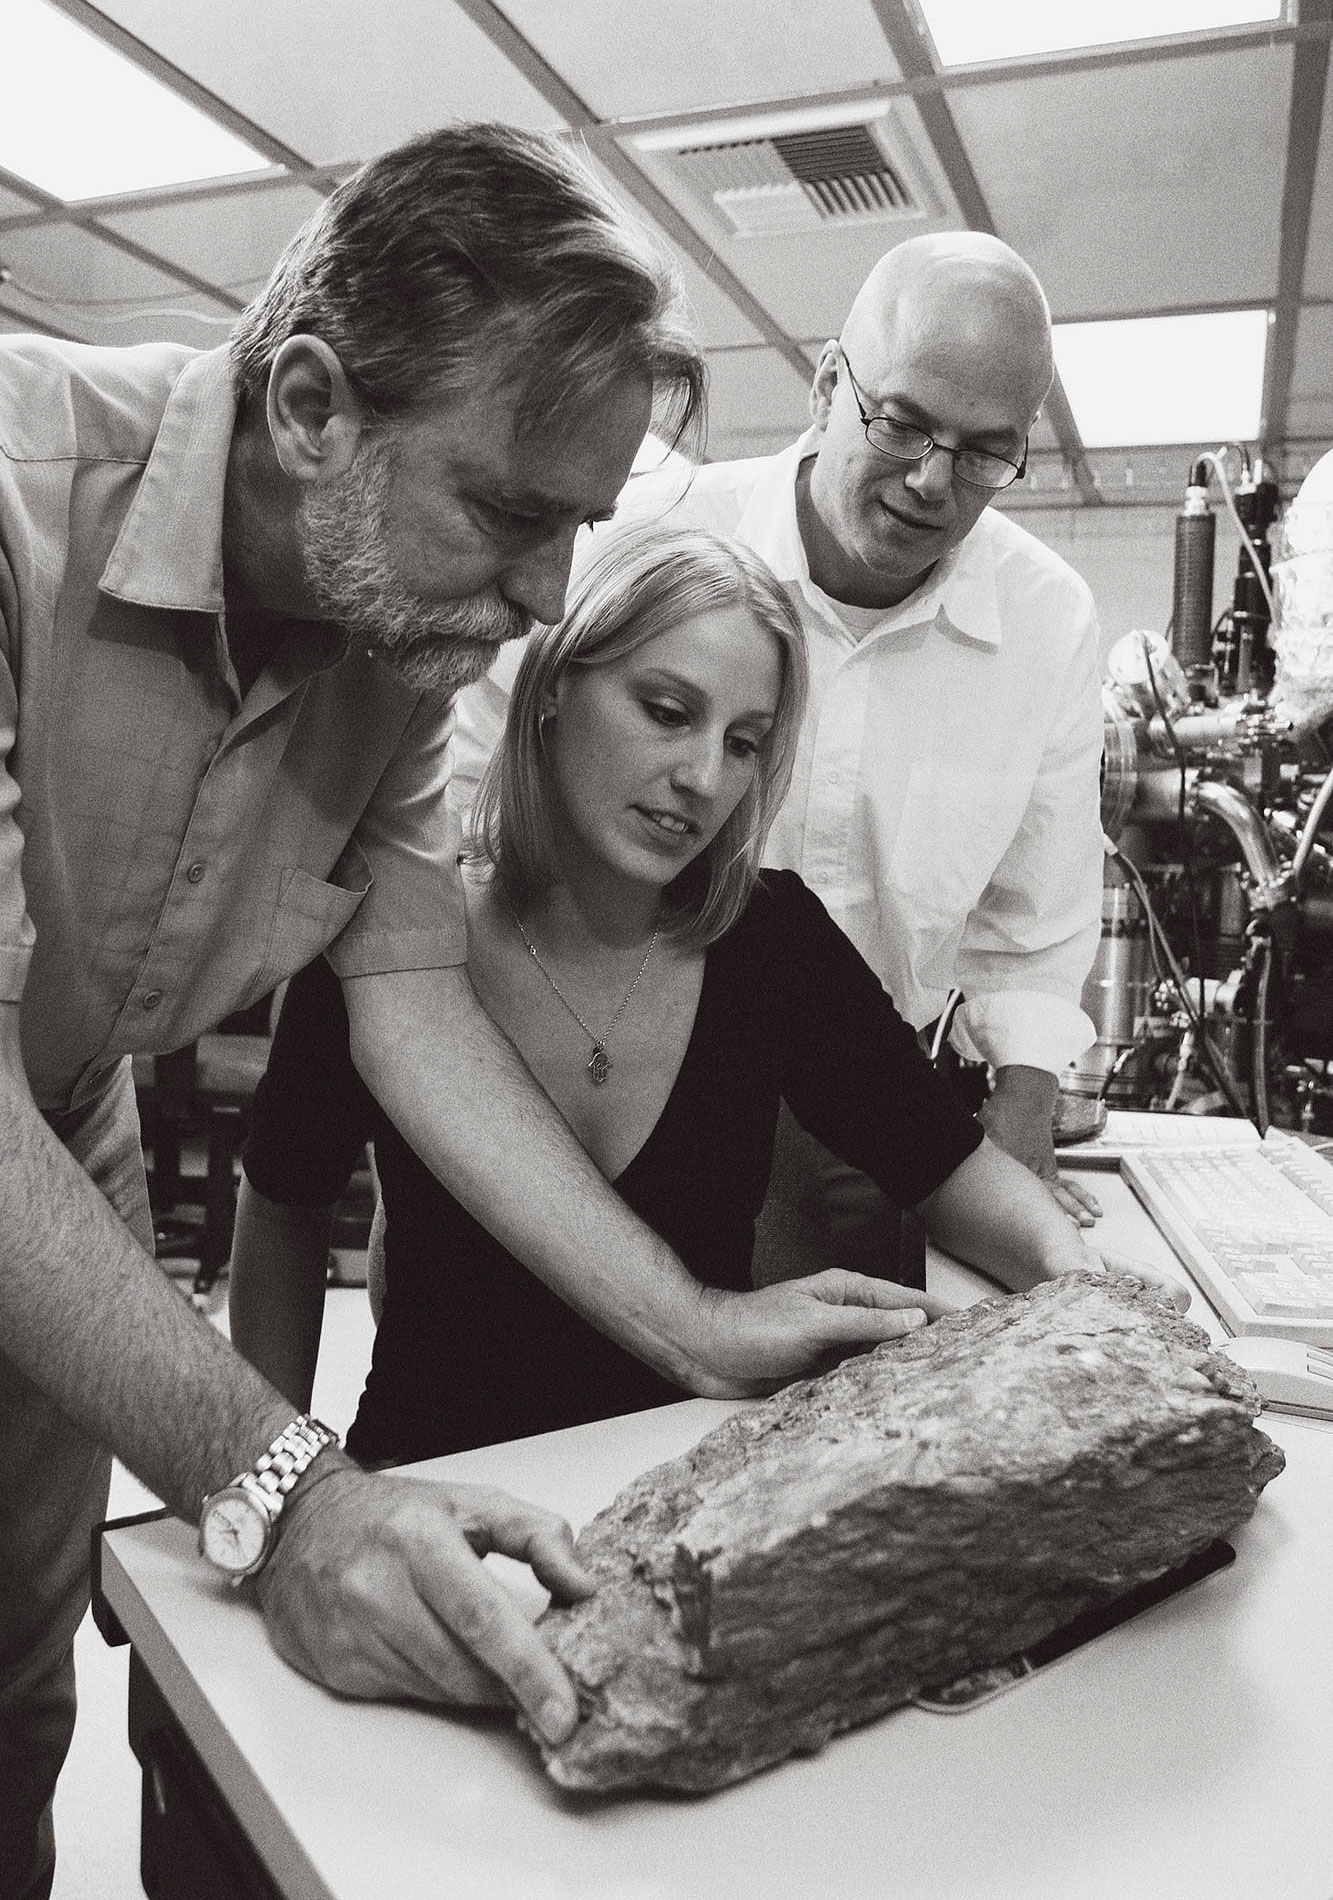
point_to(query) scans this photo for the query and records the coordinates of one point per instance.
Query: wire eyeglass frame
(989, 471)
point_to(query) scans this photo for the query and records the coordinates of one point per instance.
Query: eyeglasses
(977, 467)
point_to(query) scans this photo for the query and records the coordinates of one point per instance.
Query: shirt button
(195, 872)
(150, 999)
(834, 777)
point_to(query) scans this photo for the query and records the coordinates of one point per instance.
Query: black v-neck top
(472, 1348)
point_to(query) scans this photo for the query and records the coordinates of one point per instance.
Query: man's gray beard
(432, 646)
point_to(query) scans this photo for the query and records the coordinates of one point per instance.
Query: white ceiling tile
(1139, 187)
(1319, 253)
(61, 261)
(1311, 420)
(1149, 186)
(234, 240)
(14, 205)
(627, 59)
(756, 402)
(338, 79)
(717, 321)
(1311, 401)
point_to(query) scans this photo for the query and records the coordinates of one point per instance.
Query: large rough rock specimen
(916, 1514)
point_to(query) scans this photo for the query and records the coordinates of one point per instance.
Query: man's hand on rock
(376, 1588)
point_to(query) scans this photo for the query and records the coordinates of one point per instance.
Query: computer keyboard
(1254, 1226)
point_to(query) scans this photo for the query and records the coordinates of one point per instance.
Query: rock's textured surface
(921, 1511)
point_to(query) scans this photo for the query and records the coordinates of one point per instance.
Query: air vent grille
(797, 181)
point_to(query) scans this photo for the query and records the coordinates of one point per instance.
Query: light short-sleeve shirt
(169, 851)
(945, 799)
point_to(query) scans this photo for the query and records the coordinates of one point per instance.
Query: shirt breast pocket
(308, 914)
(957, 824)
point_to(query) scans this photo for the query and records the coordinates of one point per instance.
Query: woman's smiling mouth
(669, 822)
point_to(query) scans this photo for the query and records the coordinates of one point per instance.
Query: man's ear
(826, 381)
(314, 417)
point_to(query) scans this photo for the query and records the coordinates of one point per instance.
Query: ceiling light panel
(627, 59)
(1153, 380)
(82, 121)
(967, 32)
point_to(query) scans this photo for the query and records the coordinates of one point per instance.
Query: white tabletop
(1184, 1756)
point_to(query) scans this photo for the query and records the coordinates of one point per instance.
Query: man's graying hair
(469, 249)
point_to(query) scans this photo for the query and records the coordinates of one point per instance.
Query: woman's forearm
(279, 1269)
(993, 1213)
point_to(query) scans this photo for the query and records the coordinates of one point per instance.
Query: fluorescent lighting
(82, 121)
(1148, 380)
(966, 32)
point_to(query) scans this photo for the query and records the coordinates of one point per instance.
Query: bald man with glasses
(945, 800)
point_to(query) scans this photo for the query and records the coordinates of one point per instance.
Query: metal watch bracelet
(291, 1454)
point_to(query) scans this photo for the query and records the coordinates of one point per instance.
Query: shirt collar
(768, 522)
(169, 550)
(959, 595)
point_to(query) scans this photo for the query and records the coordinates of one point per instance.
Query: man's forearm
(90, 1319)
(279, 1271)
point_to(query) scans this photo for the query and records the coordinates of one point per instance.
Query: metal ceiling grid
(336, 79)
(235, 245)
(1171, 174)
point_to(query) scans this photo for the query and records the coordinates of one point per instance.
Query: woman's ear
(315, 418)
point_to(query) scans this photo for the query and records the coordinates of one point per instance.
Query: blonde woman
(665, 992)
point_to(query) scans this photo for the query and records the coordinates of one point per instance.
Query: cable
(944, 1025)
(1221, 1073)
(45, 295)
(1259, 1039)
(1305, 843)
(1130, 1048)
(1217, 459)
(103, 306)
(194, 316)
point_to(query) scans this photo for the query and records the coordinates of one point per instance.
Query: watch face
(233, 1531)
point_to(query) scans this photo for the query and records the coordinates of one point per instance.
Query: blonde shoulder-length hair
(642, 583)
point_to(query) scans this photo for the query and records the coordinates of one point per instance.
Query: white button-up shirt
(945, 801)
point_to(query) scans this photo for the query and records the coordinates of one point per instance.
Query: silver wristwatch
(238, 1525)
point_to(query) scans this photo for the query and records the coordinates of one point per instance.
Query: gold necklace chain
(598, 1064)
